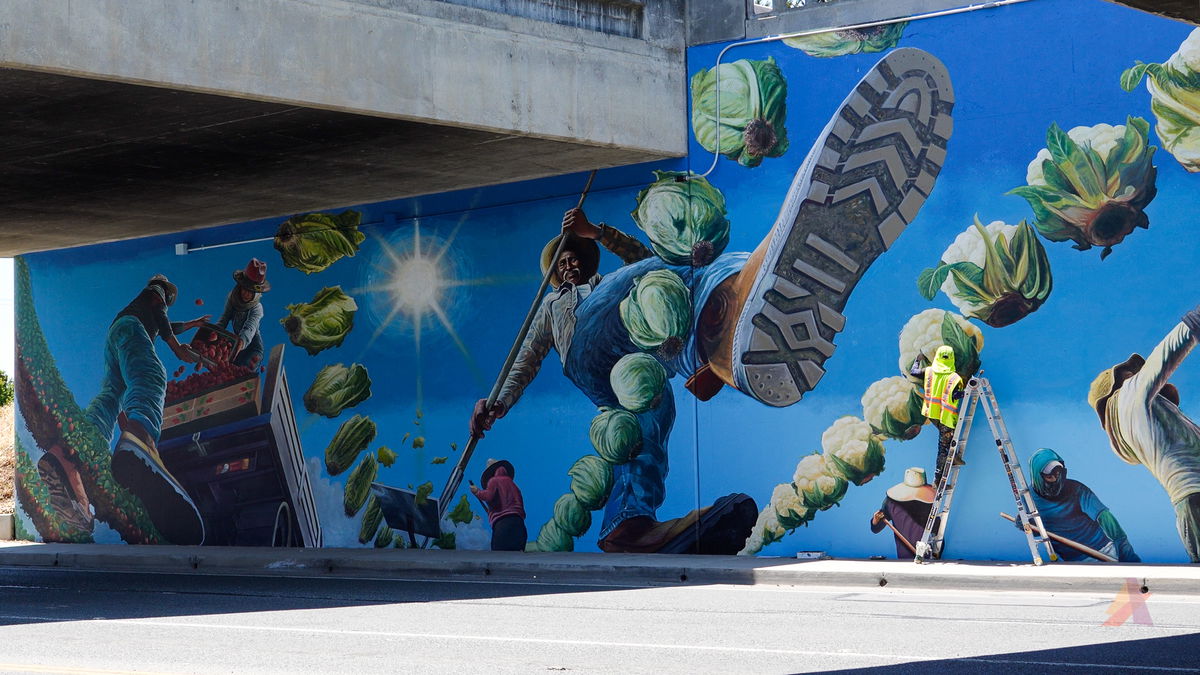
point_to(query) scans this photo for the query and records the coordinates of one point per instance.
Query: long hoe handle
(460, 468)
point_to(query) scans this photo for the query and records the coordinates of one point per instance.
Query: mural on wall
(740, 338)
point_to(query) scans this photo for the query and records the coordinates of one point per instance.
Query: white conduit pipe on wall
(818, 31)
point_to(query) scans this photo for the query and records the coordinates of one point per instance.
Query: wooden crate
(214, 407)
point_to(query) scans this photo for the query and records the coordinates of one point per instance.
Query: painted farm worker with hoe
(243, 307)
(763, 322)
(506, 510)
(906, 507)
(943, 391)
(1139, 410)
(1070, 509)
(131, 396)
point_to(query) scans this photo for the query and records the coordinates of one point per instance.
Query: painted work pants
(601, 340)
(134, 380)
(1187, 521)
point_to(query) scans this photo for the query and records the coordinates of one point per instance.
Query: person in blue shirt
(1070, 509)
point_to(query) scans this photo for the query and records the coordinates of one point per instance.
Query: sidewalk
(601, 568)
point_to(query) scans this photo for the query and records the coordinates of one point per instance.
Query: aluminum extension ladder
(979, 390)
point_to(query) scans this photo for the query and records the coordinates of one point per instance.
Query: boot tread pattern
(869, 176)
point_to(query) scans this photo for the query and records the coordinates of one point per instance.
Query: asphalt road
(92, 622)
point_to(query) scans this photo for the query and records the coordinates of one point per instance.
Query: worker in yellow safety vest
(943, 392)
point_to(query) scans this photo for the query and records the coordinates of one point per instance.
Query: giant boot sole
(866, 177)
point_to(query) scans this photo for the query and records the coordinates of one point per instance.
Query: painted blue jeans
(134, 380)
(601, 339)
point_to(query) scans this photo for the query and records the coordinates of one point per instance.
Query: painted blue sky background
(1015, 70)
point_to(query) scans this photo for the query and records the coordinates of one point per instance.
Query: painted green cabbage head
(312, 242)
(570, 515)
(616, 435)
(852, 41)
(684, 217)
(553, 538)
(638, 380)
(336, 388)
(358, 484)
(323, 323)
(591, 481)
(657, 313)
(753, 100)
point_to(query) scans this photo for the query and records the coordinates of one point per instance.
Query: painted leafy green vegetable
(351, 438)
(418, 442)
(384, 538)
(684, 217)
(570, 515)
(386, 455)
(423, 491)
(1091, 184)
(1174, 99)
(461, 513)
(336, 388)
(638, 380)
(358, 484)
(322, 323)
(657, 313)
(892, 406)
(438, 460)
(554, 538)
(851, 41)
(753, 109)
(998, 274)
(616, 435)
(312, 242)
(591, 481)
(372, 517)
(445, 541)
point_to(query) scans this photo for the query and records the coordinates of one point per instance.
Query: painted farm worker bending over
(131, 396)
(761, 322)
(505, 507)
(1070, 509)
(906, 507)
(943, 392)
(244, 309)
(1139, 410)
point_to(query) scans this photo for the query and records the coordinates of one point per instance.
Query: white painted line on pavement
(897, 658)
(38, 668)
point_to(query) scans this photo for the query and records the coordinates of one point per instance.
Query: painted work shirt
(1148, 429)
(245, 320)
(907, 517)
(150, 309)
(1074, 513)
(502, 497)
(554, 323)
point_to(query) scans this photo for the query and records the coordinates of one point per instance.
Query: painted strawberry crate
(222, 403)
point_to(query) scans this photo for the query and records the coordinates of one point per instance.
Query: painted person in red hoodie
(506, 509)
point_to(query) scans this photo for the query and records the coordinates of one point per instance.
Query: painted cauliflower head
(1092, 184)
(819, 487)
(892, 408)
(852, 451)
(997, 273)
(767, 530)
(1174, 89)
(789, 507)
(932, 328)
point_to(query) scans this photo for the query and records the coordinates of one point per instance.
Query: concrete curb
(602, 569)
(7, 526)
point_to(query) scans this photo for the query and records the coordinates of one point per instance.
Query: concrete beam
(414, 60)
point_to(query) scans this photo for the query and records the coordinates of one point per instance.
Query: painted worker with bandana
(243, 308)
(942, 394)
(1070, 509)
(1139, 410)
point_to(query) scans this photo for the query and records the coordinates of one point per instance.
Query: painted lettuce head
(851, 41)
(1091, 184)
(750, 122)
(336, 388)
(591, 481)
(658, 312)
(998, 274)
(312, 242)
(1174, 89)
(638, 380)
(684, 217)
(322, 323)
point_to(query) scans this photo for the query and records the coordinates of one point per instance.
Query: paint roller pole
(1103, 557)
(460, 468)
(904, 540)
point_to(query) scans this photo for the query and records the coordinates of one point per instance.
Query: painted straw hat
(587, 250)
(490, 470)
(914, 488)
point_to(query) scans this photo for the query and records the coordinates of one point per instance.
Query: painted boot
(720, 529)
(68, 497)
(137, 466)
(863, 182)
